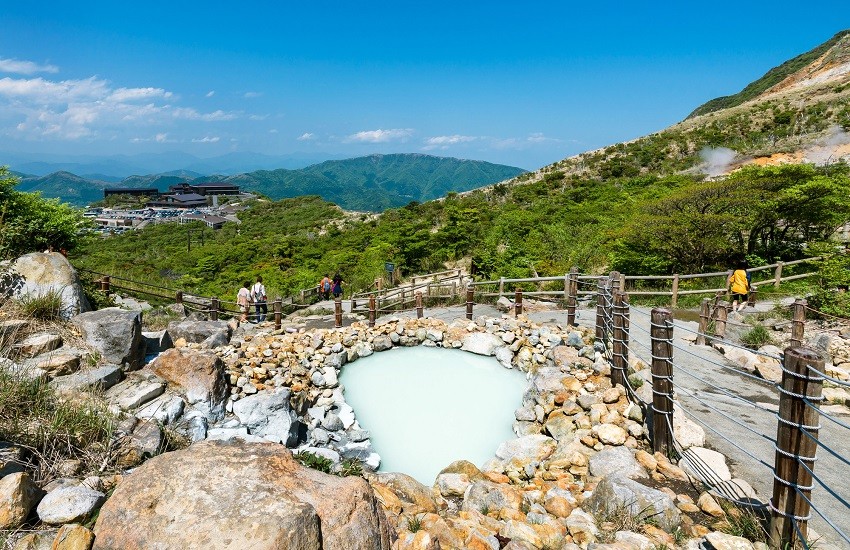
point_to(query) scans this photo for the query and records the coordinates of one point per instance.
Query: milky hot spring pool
(427, 407)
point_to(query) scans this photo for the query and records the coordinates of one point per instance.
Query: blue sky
(516, 83)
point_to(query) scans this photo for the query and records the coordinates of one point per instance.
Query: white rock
(482, 343)
(165, 409)
(610, 434)
(69, 504)
(705, 465)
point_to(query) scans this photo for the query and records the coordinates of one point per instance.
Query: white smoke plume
(717, 161)
(825, 151)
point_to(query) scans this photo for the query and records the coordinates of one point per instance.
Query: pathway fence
(211, 306)
(425, 289)
(794, 441)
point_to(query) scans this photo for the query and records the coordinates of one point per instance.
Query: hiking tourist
(337, 286)
(258, 295)
(325, 288)
(243, 300)
(740, 286)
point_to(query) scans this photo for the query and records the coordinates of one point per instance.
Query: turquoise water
(427, 407)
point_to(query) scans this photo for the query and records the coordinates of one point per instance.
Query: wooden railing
(674, 292)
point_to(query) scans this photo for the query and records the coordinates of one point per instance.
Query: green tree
(29, 222)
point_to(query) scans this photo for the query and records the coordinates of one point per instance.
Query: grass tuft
(43, 307)
(756, 337)
(314, 461)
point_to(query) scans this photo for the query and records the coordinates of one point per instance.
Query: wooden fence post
(674, 298)
(501, 286)
(278, 312)
(777, 275)
(661, 332)
(302, 297)
(419, 308)
(104, 283)
(518, 302)
(614, 282)
(721, 312)
(796, 447)
(572, 297)
(703, 321)
(728, 283)
(751, 296)
(600, 311)
(178, 297)
(338, 312)
(621, 335)
(798, 323)
(214, 304)
(470, 300)
(372, 310)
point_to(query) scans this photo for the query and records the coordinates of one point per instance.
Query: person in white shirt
(258, 295)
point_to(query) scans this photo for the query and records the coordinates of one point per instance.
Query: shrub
(350, 467)
(756, 337)
(314, 461)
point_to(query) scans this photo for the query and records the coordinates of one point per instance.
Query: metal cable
(748, 453)
(823, 517)
(725, 415)
(723, 391)
(727, 367)
(826, 415)
(726, 342)
(820, 482)
(825, 447)
(829, 378)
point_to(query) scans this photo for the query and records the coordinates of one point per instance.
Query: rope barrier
(726, 342)
(821, 313)
(820, 482)
(830, 379)
(746, 374)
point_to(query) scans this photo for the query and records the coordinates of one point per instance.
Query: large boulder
(42, 273)
(200, 376)
(482, 343)
(267, 414)
(114, 333)
(210, 333)
(616, 494)
(18, 496)
(239, 495)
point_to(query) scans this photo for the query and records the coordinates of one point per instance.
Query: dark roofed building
(215, 222)
(135, 191)
(205, 189)
(184, 200)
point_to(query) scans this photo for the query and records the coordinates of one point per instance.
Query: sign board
(389, 266)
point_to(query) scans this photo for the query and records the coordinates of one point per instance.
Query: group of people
(255, 295)
(328, 286)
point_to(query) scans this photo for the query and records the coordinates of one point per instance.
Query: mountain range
(372, 183)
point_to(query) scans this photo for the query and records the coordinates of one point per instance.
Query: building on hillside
(183, 200)
(205, 189)
(214, 222)
(134, 191)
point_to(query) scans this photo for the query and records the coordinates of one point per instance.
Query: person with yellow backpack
(740, 287)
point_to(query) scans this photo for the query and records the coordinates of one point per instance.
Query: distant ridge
(371, 183)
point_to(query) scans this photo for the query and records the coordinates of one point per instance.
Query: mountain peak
(828, 63)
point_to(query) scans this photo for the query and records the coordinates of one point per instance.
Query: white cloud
(306, 136)
(90, 107)
(258, 117)
(133, 94)
(25, 67)
(251, 95)
(444, 142)
(161, 138)
(207, 139)
(211, 93)
(381, 136)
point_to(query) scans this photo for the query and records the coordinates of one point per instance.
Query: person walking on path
(740, 287)
(337, 286)
(325, 287)
(258, 294)
(243, 300)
